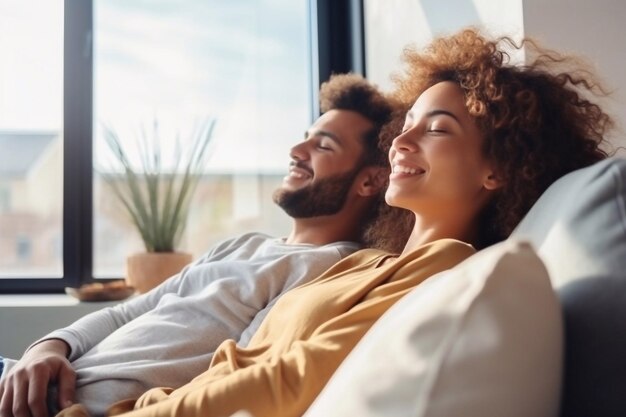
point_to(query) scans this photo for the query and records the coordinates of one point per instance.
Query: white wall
(595, 29)
(390, 25)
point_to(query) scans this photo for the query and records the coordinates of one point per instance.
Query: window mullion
(78, 145)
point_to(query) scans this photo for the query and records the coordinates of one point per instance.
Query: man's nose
(299, 152)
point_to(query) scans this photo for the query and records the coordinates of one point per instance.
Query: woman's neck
(425, 231)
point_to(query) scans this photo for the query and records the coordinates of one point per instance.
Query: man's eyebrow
(324, 133)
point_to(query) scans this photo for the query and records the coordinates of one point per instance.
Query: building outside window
(24, 249)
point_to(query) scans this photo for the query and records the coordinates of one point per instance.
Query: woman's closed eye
(438, 126)
(437, 129)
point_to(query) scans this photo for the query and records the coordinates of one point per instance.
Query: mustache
(301, 165)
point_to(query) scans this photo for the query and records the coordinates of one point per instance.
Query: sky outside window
(244, 63)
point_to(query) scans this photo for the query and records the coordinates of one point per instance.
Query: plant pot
(145, 271)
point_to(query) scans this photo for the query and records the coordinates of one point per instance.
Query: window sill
(25, 318)
(38, 300)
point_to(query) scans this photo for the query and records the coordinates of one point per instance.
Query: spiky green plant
(157, 202)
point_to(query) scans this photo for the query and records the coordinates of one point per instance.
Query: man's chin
(324, 198)
(281, 194)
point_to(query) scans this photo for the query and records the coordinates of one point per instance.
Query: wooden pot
(145, 271)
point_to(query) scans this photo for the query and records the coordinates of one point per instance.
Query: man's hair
(538, 119)
(355, 93)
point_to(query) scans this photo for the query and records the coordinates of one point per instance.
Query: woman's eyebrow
(438, 112)
(410, 115)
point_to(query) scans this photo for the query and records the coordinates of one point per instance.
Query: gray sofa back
(578, 228)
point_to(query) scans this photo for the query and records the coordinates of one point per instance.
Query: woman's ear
(492, 181)
(371, 180)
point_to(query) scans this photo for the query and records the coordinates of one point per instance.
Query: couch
(533, 326)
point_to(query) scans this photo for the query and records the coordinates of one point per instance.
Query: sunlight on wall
(393, 24)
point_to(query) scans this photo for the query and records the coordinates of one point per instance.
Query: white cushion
(483, 339)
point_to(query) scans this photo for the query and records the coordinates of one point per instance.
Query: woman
(537, 121)
(480, 143)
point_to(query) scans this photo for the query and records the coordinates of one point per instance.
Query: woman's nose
(404, 143)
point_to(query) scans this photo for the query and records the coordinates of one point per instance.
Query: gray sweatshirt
(168, 335)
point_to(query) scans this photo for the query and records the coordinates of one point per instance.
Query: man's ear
(371, 180)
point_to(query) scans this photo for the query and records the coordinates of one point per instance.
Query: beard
(324, 198)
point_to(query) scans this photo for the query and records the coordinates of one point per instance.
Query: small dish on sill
(98, 291)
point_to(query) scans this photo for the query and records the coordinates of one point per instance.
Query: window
(31, 137)
(127, 63)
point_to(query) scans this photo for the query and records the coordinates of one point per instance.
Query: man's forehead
(342, 123)
(341, 115)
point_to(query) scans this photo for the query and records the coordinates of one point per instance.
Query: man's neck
(321, 231)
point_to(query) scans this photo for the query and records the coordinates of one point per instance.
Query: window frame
(336, 45)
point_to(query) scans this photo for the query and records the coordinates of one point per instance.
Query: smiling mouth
(401, 169)
(298, 171)
(297, 174)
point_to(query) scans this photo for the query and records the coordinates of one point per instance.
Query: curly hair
(392, 226)
(353, 92)
(537, 119)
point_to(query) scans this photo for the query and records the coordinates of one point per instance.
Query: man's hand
(23, 391)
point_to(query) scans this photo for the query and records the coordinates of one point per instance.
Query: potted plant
(156, 200)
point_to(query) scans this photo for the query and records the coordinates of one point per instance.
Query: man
(167, 336)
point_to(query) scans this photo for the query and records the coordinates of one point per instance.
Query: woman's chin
(394, 200)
